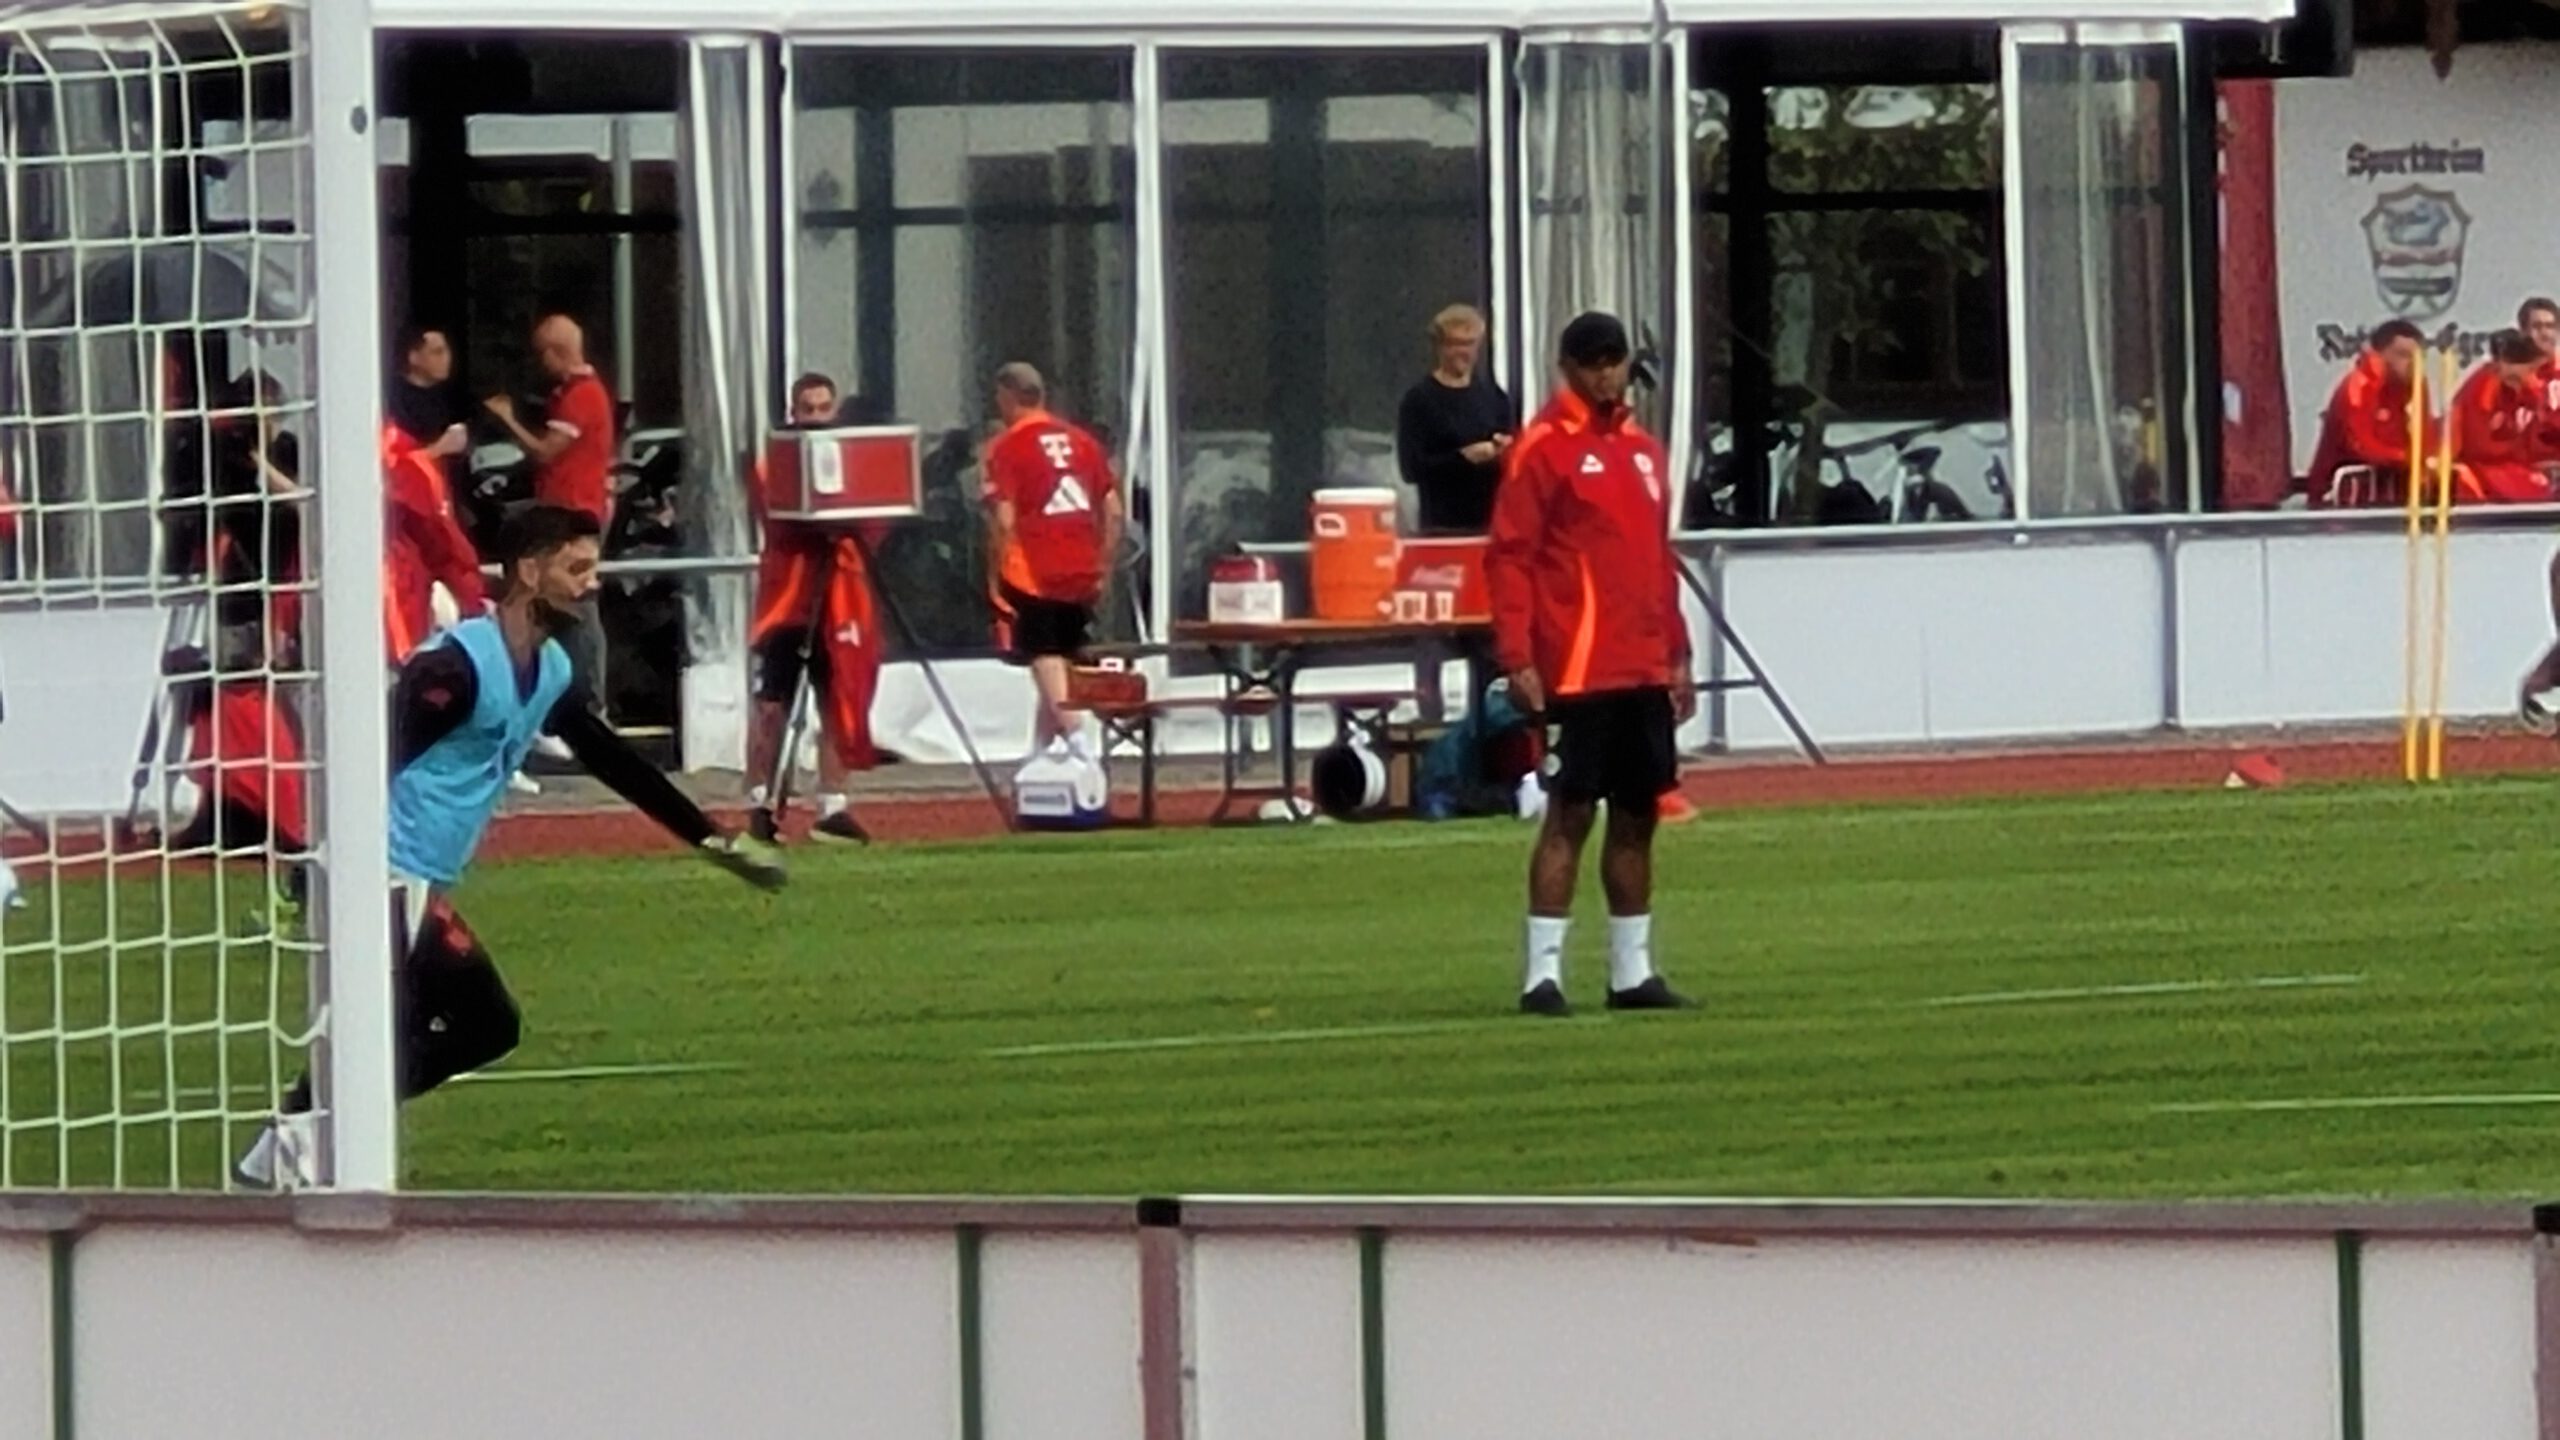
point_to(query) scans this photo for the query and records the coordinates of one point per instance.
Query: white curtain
(2100, 272)
(1595, 237)
(727, 358)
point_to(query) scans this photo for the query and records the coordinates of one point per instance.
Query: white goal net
(160, 614)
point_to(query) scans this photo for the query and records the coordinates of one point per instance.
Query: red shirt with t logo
(580, 476)
(1057, 478)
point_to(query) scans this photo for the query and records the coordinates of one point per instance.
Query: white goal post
(193, 766)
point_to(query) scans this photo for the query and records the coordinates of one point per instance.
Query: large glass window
(1322, 208)
(1588, 113)
(522, 177)
(2103, 164)
(1851, 282)
(959, 212)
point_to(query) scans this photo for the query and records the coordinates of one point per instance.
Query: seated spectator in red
(2498, 425)
(2367, 422)
(2539, 319)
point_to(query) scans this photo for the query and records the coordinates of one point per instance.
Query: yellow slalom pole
(2440, 621)
(2416, 486)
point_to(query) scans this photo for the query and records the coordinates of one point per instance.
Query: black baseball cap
(1594, 338)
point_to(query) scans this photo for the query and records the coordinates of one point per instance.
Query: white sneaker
(552, 747)
(524, 784)
(285, 1156)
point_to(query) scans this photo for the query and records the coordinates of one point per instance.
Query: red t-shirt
(1057, 478)
(580, 477)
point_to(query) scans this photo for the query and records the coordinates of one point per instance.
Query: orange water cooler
(1352, 559)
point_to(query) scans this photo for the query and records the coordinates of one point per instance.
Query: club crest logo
(2416, 237)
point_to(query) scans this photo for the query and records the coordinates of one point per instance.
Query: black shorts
(1045, 627)
(776, 666)
(1620, 747)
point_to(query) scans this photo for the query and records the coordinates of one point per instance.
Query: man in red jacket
(1586, 614)
(2367, 422)
(2539, 319)
(423, 545)
(806, 573)
(2497, 427)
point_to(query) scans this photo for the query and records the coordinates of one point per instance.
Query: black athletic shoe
(840, 829)
(760, 825)
(1653, 994)
(2536, 715)
(1547, 1000)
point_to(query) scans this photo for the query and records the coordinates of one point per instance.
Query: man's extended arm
(1519, 525)
(545, 447)
(625, 771)
(610, 758)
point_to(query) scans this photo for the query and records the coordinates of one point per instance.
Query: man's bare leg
(835, 802)
(1555, 863)
(765, 721)
(1626, 872)
(1049, 675)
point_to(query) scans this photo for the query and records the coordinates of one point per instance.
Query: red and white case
(842, 476)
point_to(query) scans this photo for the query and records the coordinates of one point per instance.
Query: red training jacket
(2496, 439)
(1584, 584)
(422, 544)
(2367, 423)
(2546, 389)
(2495, 423)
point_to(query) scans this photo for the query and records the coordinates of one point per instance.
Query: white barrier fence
(130, 1317)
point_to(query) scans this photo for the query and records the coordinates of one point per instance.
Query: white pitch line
(574, 1072)
(595, 1072)
(2357, 1102)
(1241, 1037)
(2151, 988)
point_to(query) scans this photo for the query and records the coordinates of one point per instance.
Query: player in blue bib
(464, 716)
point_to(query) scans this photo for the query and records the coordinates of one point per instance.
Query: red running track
(1731, 785)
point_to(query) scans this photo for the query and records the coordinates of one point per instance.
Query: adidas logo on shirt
(1591, 465)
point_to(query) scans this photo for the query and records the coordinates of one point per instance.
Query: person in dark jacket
(1452, 429)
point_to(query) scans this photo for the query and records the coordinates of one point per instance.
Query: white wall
(1976, 640)
(2289, 627)
(1494, 1321)
(2059, 634)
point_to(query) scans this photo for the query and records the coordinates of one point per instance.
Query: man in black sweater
(1453, 428)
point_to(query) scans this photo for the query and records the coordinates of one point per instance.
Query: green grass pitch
(1327, 1011)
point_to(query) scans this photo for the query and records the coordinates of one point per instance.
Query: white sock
(831, 805)
(1630, 951)
(1545, 953)
(759, 795)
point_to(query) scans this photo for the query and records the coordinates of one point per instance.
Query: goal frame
(354, 1065)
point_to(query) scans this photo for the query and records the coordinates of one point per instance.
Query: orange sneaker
(1675, 809)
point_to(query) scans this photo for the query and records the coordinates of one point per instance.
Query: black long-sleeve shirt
(438, 688)
(1434, 424)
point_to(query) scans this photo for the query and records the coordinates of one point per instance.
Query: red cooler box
(1441, 579)
(870, 472)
